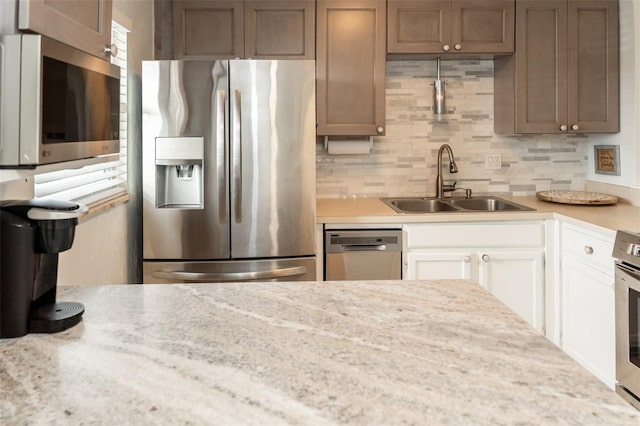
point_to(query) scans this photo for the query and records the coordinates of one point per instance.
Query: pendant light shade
(439, 94)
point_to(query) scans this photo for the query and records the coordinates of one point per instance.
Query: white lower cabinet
(587, 302)
(505, 258)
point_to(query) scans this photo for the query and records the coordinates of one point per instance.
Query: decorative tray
(577, 197)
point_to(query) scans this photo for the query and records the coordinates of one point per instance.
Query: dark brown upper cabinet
(563, 77)
(280, 29)
(350, 67)
(84, 24)
(258, 29)
(476, 27)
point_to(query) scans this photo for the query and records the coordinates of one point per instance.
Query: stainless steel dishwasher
(368, 254)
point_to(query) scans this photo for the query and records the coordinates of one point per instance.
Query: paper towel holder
(326, 142)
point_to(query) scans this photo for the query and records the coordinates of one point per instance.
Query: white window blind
(104, 179)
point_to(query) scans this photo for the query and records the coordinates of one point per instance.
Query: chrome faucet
(440, 187)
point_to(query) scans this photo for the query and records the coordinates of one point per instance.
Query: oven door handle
(629, 271)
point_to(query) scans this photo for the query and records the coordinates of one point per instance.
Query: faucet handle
(449, 187)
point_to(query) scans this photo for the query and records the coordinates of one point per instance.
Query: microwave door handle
(231, 276)
(221, 156)
(237, 155)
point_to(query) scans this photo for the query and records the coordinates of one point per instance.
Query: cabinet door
(418, 26)
(541, 66)
(482, 26)
(593, 66)
(279, 29)
(588, 318)
(85, 24)
(440, 265)
(208, 29)
(516, 278)
(350, 67)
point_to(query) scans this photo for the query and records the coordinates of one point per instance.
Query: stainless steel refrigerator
(228, 170)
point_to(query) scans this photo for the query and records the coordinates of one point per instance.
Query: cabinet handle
(446, 47)
(110, 50)
(467, 259)
(575, 127)
(457, 46)
(380, 130)
(588, 249)
(486, 257)
(563, 127)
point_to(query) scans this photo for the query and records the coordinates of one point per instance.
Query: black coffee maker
(32, 234)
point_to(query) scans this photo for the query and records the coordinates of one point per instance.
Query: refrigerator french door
(228, 170)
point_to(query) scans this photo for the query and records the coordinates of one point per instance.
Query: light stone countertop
(607, 219)
(370, 353)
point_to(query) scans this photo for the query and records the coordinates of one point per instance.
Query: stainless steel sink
(420, 205)
(489, 204)
(435, 205)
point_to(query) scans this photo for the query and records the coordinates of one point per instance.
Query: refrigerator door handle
(230, 276)
(221, 156)
(237, 155)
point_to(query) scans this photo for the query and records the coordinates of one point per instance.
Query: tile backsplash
(403, 162)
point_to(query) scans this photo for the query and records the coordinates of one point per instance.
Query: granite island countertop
(389, 352)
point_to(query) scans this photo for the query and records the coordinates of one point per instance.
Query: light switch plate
(493, 161)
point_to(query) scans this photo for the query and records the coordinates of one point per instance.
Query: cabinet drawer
(476, 234)
(588, 247)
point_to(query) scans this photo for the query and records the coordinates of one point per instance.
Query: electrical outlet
(493, 161)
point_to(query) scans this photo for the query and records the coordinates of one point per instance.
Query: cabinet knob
(457, 46)
(467, 259)
(563, 127)
(486, 257)
(380, 130)
(588, 249)
(575, 127)
(446, 47)
(111, 50)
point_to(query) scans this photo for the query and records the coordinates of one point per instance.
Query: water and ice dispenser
(180, 173)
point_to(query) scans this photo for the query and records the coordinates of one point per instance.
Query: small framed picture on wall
(607, 159)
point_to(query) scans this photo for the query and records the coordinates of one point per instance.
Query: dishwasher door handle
(364, 247)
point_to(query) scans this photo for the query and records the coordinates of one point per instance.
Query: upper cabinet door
(417, 26)
(208, 29)
(482, 26)
(350, 67)
(593, 66)
(541, 66)
(85, 24)
(451, 26)
(280, 29)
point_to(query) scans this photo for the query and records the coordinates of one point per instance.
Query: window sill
(103, 205)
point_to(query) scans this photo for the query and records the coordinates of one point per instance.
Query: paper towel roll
(348, 146)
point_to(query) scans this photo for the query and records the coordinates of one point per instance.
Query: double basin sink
(451, 205)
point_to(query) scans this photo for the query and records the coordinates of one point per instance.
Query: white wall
(99, 253)
(629, 137)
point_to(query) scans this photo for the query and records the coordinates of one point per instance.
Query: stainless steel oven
(626, 251)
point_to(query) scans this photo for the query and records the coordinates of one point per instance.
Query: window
(106, 177)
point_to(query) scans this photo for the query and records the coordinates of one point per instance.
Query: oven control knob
(634, 250)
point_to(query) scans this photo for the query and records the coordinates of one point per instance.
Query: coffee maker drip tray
(55, 317)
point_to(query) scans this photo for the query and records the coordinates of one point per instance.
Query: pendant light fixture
(439, 94)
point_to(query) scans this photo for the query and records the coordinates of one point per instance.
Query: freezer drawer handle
(231, 276)
(364, 247)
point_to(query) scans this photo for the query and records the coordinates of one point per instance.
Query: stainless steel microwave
(57, 103)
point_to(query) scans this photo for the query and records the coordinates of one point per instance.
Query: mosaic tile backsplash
(404, 163)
